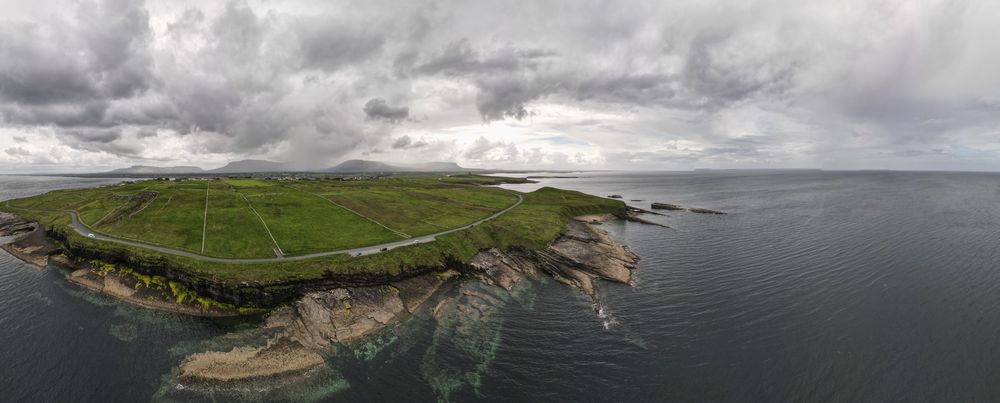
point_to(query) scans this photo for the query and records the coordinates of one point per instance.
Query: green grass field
(253, 218)
(302, 218)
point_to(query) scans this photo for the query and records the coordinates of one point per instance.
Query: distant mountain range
(258, 166)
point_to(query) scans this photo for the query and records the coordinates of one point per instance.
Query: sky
(576, 84)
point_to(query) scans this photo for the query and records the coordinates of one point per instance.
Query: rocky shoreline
(27, 240)
(300, 335)
(132, 290)
(320, 322)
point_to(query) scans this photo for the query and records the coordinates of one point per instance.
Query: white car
(91, 236)
(415, 242)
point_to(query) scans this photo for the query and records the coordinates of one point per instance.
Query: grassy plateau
(256, 218)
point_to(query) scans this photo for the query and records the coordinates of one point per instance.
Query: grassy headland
(246, 218)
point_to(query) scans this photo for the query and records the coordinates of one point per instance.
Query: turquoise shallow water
(819, 286)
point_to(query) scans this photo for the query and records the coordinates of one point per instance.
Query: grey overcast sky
(847, 84)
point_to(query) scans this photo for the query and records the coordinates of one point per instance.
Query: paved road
(366, 250)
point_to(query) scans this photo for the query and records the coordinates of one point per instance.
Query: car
(383, 249)
(415, 242)
(359, 254)
(91, 236)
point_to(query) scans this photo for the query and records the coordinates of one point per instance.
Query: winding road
(84, 230)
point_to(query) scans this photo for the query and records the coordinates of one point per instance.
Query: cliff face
(320, 321)
(246, 294)
(323, 316)
(581, 256)
(585, 254)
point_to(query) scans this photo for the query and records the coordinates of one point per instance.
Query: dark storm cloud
(378, 109)
(505, 97)
(501, 97)
(96, 70)
(736, 81)
(101, 54)
(332, 44)
(68, 73)
(509, 78)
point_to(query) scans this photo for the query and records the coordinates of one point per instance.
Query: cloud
(378, 109)
(712, 83)
(329, 45)
(485, 150)
(17, 151)
(67, 71)
(458, 58)
(404, 142)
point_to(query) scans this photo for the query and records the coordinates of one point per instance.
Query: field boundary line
(400, 233)
(204, 220)
(81, 228)
(254, 211)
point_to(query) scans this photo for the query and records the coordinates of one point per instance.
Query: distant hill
(248, 166)
(363, 166)
(151, 170)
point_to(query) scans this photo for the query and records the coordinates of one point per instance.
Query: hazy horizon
(92, 86)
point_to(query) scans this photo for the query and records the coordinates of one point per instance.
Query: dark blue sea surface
(817, 286)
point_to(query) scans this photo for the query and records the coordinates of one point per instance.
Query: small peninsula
(329, 262)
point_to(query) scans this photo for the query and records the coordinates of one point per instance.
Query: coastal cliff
(320, 322)
(355, 305)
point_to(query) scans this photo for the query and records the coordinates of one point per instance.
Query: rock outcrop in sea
(705, 211)
(665, 206)
(674, 207)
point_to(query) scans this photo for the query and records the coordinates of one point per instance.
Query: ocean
(817, 286)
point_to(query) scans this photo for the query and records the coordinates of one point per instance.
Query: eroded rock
(312, 326)
(321, 322)
(705, 211)
(28, 242)
(502, 269)
(584, 254)
(665, 206)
